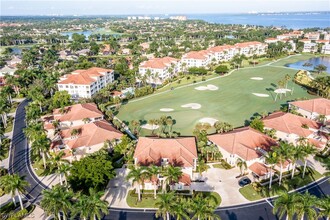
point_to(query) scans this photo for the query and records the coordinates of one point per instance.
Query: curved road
(20, 163)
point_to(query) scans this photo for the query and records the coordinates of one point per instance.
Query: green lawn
(149, 202)
(288, 184)
(233, 102)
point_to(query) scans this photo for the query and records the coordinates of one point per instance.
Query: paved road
(253, 211)
(19, 157)
(19, 163)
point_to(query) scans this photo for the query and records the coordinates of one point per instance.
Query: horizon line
(166, 14)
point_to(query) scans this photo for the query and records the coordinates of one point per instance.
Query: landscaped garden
(255, 191)
(233, 99)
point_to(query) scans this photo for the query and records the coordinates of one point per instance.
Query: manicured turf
(233, 102)
(288, 184)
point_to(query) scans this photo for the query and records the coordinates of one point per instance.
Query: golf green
(231, 100)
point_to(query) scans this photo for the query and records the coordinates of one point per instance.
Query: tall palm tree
(201, 166)
(285, 205)
(307, 150)
(81, 207)
(241, 165)
(41, 145)
(172, 174)
(283, 152)
(324, 207)
(56, 160)
(271, 160)
(152, 173)
(14, 185)
(137, 176)
(296, 154)
(165, 205)
(91, 205)
(203, 208)
(305, 206)
(56, 200)
(180, 209)
(97, 205)
(64, 172)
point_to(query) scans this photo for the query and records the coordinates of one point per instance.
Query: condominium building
(157, 70)
(85, 83)
(312, 36)
(197, 58)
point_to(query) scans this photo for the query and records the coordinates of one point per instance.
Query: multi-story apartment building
(312, 36)
(310, 48)
(197, 58)
(157, 70)
(85, 83)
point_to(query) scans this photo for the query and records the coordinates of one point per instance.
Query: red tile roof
(179, 151)
(290, 123)
(90, 134)
(83, 77)
(319, 105)
(185, 179)
(159, 63)
(197, 55)
(78, 112)
(259, 169)
(243, 142)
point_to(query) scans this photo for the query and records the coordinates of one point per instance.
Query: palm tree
(56, 160)
(322, 119)
(91, 206)
(201, 167)
(306, 206)
(172, 175)
(137, 175)
(324, 207)
(271, 160)
(86, 120)
(283, 152)
(241, 165)
(169, 123)
(56, 200)
(64, 172)
(285, 205)
(152, 172)
(14, 185)
(307, 150)
(41, 145)
(203, 208)
(180, 209)
(297, 153)
(74, 132)
(165, 205)
(81, 207)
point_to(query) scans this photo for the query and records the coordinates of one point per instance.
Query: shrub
(18, 215)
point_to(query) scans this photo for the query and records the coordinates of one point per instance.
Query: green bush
(18, 215)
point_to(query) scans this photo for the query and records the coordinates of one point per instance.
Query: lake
(314, 61)
(87, 33)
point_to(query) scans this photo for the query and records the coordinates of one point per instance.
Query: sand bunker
(208, 87)
(211, 121)
(149, 126)
(166, 109)
(192, 106)
(282, 90)
(256, 78)
(260, 94)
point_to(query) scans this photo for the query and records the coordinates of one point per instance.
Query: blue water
(87, 33)
(289, 20)
(315, 61)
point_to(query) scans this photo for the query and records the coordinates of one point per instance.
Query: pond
(311, 63)
(87, 33)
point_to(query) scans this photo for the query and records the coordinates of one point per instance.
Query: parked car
(244, 181)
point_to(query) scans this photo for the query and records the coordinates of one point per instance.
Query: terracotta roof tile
(290, 123)
(179, 151)
(90, 134)
(319, 105)
(83, 77)
(259, 169)
(243, 142)
(78, 112)
(159, 63)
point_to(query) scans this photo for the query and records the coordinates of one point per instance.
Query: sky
(149, 7)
